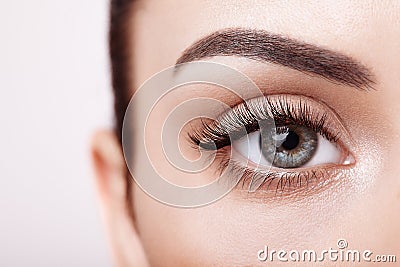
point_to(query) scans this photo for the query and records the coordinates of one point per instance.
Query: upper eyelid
(314, 108)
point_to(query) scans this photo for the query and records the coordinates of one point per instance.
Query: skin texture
(363, 206)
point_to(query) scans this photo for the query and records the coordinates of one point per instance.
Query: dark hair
(120, 11)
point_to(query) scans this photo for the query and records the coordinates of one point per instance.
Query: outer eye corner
(348, 158)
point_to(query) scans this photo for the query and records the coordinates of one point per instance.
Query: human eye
(289, 142)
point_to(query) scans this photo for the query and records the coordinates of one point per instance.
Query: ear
(111, 181)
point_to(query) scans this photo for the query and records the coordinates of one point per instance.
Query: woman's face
(330, 75)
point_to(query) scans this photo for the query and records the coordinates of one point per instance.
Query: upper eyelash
(218, 134)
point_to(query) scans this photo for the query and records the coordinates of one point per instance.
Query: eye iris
(289, 147)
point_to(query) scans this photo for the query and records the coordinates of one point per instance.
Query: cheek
(221, 234)
(232, 230)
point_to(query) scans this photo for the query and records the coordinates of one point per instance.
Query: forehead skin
(368, 31)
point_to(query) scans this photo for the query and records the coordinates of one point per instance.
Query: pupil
(291, 141)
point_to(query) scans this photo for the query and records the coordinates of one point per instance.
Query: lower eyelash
(283, 181)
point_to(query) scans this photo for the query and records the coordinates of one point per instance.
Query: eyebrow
(263, 46)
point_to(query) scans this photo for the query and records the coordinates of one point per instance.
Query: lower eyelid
(275, 183)
(283, 182)
(272, 183)
(298, 184)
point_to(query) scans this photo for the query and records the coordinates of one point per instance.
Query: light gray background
(54, 91)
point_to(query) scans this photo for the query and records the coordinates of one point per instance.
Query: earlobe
(111, 181)
(109, 166)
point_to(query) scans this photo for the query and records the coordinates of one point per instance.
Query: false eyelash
(229, 126)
